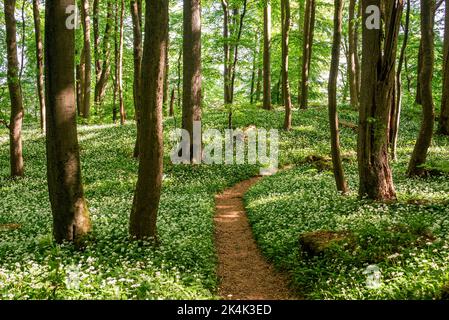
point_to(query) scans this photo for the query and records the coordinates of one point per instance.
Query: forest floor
(243, 272)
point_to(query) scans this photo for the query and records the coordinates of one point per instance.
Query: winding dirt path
(243, 271)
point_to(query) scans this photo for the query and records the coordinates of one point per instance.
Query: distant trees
(15, 92)
(332, 99)
(147, 195)
(71, 220)
(378, 80)
(419, 155)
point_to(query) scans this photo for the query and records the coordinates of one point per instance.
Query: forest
(224, 150)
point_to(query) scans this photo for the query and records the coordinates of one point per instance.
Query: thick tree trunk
(15, 92)
(71, 220)
(191, 94)
(443, 127)
(339, 175)
(353, 56)
(39, 62)
(148, 190)
(378, 77)
(309, 26)
(267, 56)
(120, 65)
(285, 16)
(422, 145)
(85, 110)
(136, 14)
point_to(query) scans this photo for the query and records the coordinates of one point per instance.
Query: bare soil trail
(243, 271)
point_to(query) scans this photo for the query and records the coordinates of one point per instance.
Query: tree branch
(4, 123)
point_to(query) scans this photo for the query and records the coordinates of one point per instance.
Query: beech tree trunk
(443, 127)
(85, 110)
(191, 94)
(267, 56)
(136, 14)
(285, 16)
(71, 220)
(422, 145)
(378, 77)
(339, 175)
(148, 190)
(171, 110)
(15, 92)
(120, 65)
(39, 63)
(253, 71)
(353, 56)
(96, 27)
(309, 26)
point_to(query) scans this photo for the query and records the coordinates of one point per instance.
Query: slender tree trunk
(15, 92)
(191, 94)
(253, 71)
(285, 16)
(258, 83)
(418, 98)
(96, 27)
(301, 40)
(39, 62)
(166, 74)
(236, 49)
(178, 82)
(378, 77)
(136, 14)
(339, 175)
(22, 47)
(352, 56)
(309, 26)
(396, 110)
(116, 64)
(82, 78)
(422, 145)
(226, 56)
(87, 59)
(120, 65)
(71, 220)
(267, 56)
(148, 190)
(171, 110)
(443, 127)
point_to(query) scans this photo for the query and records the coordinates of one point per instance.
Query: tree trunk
(87, 59)
(171, 110)
(236, 49)
(148, 190)
(443, 127)
(191, 94)
(136, 14)
(418, 98)
(120, 65)
(378, 75)
(301, 40)
(71, 220)
(116, 64)
(166, 74)
(285, 16)
(96, 27)
(259, 83)
(397, 106)
(339, 175)
(39, 62)
(309, 26)
(267, 56)
(353, 56)
(422, 145)
(253, 71)
(226, 56)
(15, 92)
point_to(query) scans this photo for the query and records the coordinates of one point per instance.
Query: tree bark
(339, 175)
(96, 27)
(253, 71)
(87, 59)
(15, 92)
(443, 125)
(39, 63)
(267, 56)
(378, 75)
(353, 56)
(191, 94)
(71, 220)
(309, 26)
(171, 110)
(422, 145)
(120, 65)
(148, 190)
(136, 14)
(285, 16)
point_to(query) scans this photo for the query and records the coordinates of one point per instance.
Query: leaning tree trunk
(285, 16)
(378, 75)
(148, 190)
(15, 92)
(339, 175)
(422, 145)
(309, 25)
(191, 94)
(443, 127)
(352, 56)
(267, 56)
(71, 220)
(87, 59)
(136, 14)
(39, 62)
